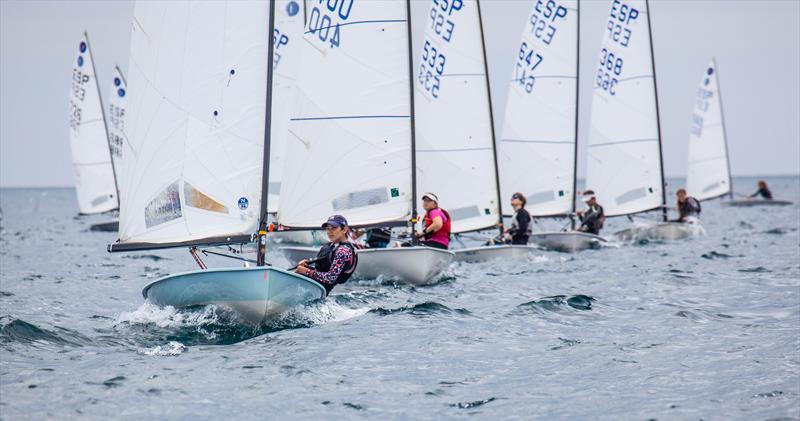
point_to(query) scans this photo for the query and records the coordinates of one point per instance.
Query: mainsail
(117, 99)
(289, 20)
(198, 79)
(536, 153)
(349, 148)
(91, 159)
(625, 168)
(708, 174)
(455, 140)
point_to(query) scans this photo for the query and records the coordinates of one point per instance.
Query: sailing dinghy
(199, 130)
(538, 148)
(625, 166)
(93, 168)
(351, 149)
(709, 172)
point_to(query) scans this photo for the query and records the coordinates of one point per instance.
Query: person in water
(763, 191)
(520, 229)
(688, 207)
(593, 217)
(437, 224)
(337, 260)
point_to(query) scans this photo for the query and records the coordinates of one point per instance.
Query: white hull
(665, 231)
(484, 253)
(672, 231)
(755, 202)
(568, 241)
(415, 265)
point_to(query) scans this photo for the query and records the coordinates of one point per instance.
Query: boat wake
(152, 325)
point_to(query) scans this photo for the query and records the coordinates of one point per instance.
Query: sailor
(337, 260)
(593, 217)
(520, 229)
(688, 207)
(437, 223)
(763, 190)
(376, 237)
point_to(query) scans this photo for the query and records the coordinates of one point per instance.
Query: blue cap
(337, 221)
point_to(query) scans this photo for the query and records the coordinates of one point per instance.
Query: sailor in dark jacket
(593, 217)
(688, 207)
(337, 260)
(763, 191)
(520, 229)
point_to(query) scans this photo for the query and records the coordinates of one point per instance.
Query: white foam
(168, 316)
(171, 349)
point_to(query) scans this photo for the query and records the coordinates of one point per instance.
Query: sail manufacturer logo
(243, 203)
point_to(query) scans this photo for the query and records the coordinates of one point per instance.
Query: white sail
(91, 159)
(117, 103)
(708, 174)
(454, 142)
(196, 118)
(624, 157)
(349, 148)
(536, 153)
(286, 59)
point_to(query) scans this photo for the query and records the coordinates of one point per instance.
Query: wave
(558, 302)
(22, 332)
(428, 308)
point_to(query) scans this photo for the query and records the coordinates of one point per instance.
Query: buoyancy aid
(445, 229)
(326, 255)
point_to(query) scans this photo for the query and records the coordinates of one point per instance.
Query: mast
(724, 134)
(103, 113)
(262, 226)
(658, 118)
(577, 110)
(491, 121)
(414, 215)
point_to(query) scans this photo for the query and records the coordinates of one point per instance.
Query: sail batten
(95, 182)
(536, 153)
(624, 154)
(708, 173)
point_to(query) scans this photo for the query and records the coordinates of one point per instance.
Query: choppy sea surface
(707, 328)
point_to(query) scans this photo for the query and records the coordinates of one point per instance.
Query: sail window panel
(465, 213)
(197, 199)
(99, 200)
(360, 199)
(711, 187)
(632, 195)
(165, 207)
(542, 197)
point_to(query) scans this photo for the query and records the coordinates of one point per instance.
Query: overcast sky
(756, 44)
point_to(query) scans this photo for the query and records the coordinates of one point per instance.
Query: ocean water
(707, 328)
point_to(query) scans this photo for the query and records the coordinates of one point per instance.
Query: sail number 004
(321, 23)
